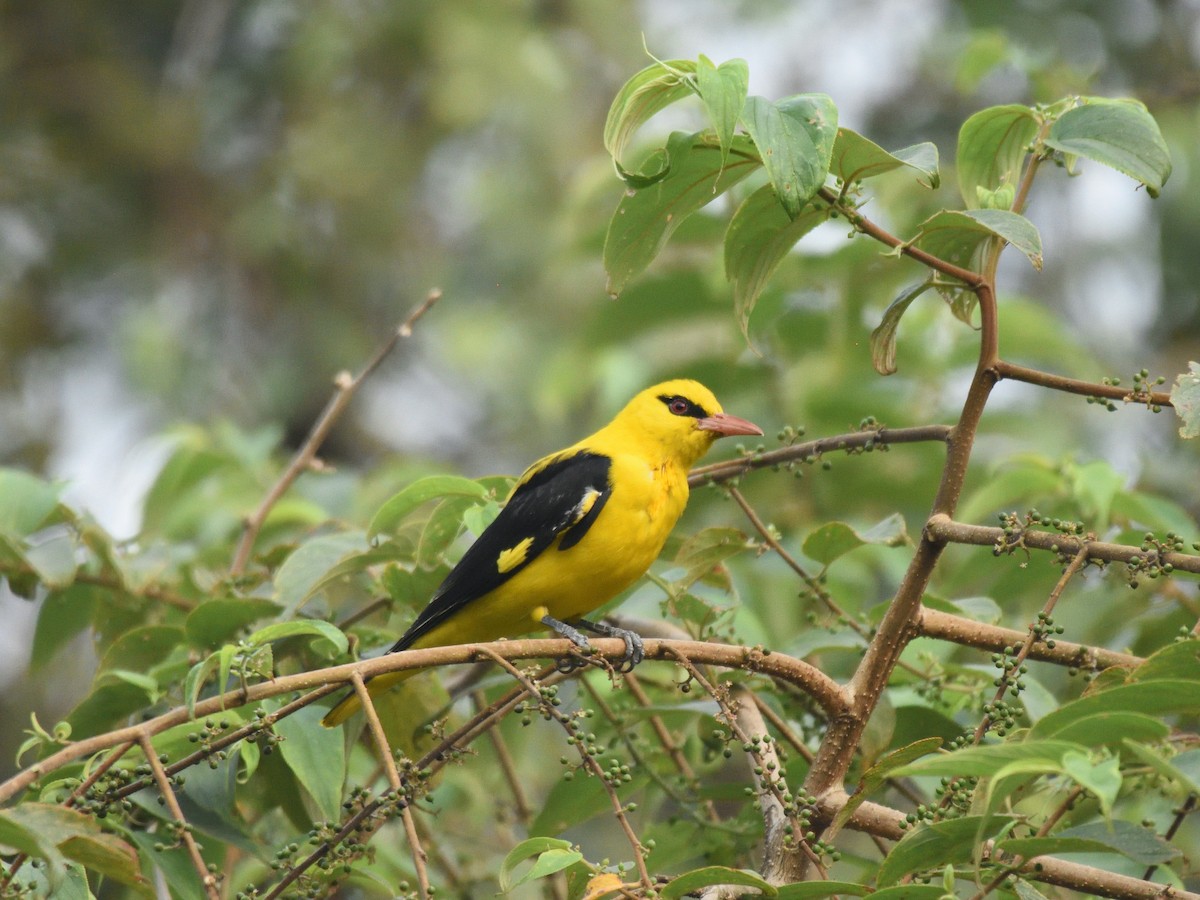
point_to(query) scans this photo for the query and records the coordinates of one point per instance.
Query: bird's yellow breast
(647, 500)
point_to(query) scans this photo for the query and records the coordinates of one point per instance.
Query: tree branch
(1013, 372)
(345, 387)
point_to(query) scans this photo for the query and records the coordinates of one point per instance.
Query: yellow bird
(580, 526)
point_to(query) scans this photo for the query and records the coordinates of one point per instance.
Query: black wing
(564, 497)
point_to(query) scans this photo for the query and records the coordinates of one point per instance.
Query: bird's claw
(635, 648)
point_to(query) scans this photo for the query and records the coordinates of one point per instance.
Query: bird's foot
(635, 649)
(567, 664)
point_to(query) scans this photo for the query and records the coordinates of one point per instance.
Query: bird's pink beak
(725, 425)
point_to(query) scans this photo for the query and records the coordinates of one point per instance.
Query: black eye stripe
(682, 406)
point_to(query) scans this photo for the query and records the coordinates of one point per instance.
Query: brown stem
(507, 766)
(185, 830)
(943, 528)
(588, 761)
(856, 440)
(345, 387)
(1013, 372)
(933, 623)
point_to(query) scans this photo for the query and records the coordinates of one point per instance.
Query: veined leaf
(883, 338)
(654, 88)
(1120, 134)
(723, 92)
(1118, 836)
(856, 158)
(991, 148)
(531, 847)
(795, 139)
(393, 511)
(835, 539)
(955, 236)
(692, 882)
(926, 846)
(759, 236)
(647, 217)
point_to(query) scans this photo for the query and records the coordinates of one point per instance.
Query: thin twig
(184, 829)
(1180, 814)
(345, 387)
(588, 760)
(1013, 372)
(854, 441)
(942, 528)
(507, 766)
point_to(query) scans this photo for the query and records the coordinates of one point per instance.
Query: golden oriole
(579, 527)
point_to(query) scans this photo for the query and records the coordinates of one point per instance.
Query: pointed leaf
(529, 847)
(1118, 836)
(280, 630)
(759, 237)
(795, 139)
(883, 338)
(308, 568)
(881, 771)
(991, 760)
(808, 890)
(692, 882)
(723, 92)
(927, 846)
(215, 621)
(317, 757)
(654, 88)
(1102, 778)
(956, 236)
(646, 218)
(835, 539)
(393, 512)
(1152, 698)
(991, 149)
(1120, 134)
(855, 158)
(1112, 728)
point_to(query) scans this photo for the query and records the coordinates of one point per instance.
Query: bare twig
(1013, 372)
(507, 766)
(941, 527)
(345, 387)
(934, 623)
(588, 760)
(184, 829)
(809, 450)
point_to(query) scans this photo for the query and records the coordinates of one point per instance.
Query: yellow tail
(350, 704)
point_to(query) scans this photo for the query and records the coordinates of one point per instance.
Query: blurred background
(208, 208)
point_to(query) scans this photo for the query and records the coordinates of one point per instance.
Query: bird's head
(682, 417)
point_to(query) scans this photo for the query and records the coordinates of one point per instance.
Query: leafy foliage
(198, 698)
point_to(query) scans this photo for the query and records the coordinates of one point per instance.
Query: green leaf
(759, 237)
(53, 553)
(807, 890)
(1118, 836)
(173, 863)
(855, 158)
(1106, 728)
(20, 838)
(25, 502)
(1179, 660)
(654, 88)
(393, 512)
(835, 539)
(1152, 698)
(214, 622)
(1120, 134)
(646, 218)
(927, 846)
(280, 630)
(199, 674)
(1102, 778)
(723, 92)
(310, 566)
(701, 553)
(691, 882)
(63, 615)
(140, 649)
(992, 759)
(530, 847)
(883, 338)
(1185, 397)
(795, 139)
(317, 757)
(109, 856)
(991, 149)
(956, 236)
(1167, 768)
(911, 892)
(875, 776)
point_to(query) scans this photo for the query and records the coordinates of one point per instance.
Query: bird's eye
(679, 406)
